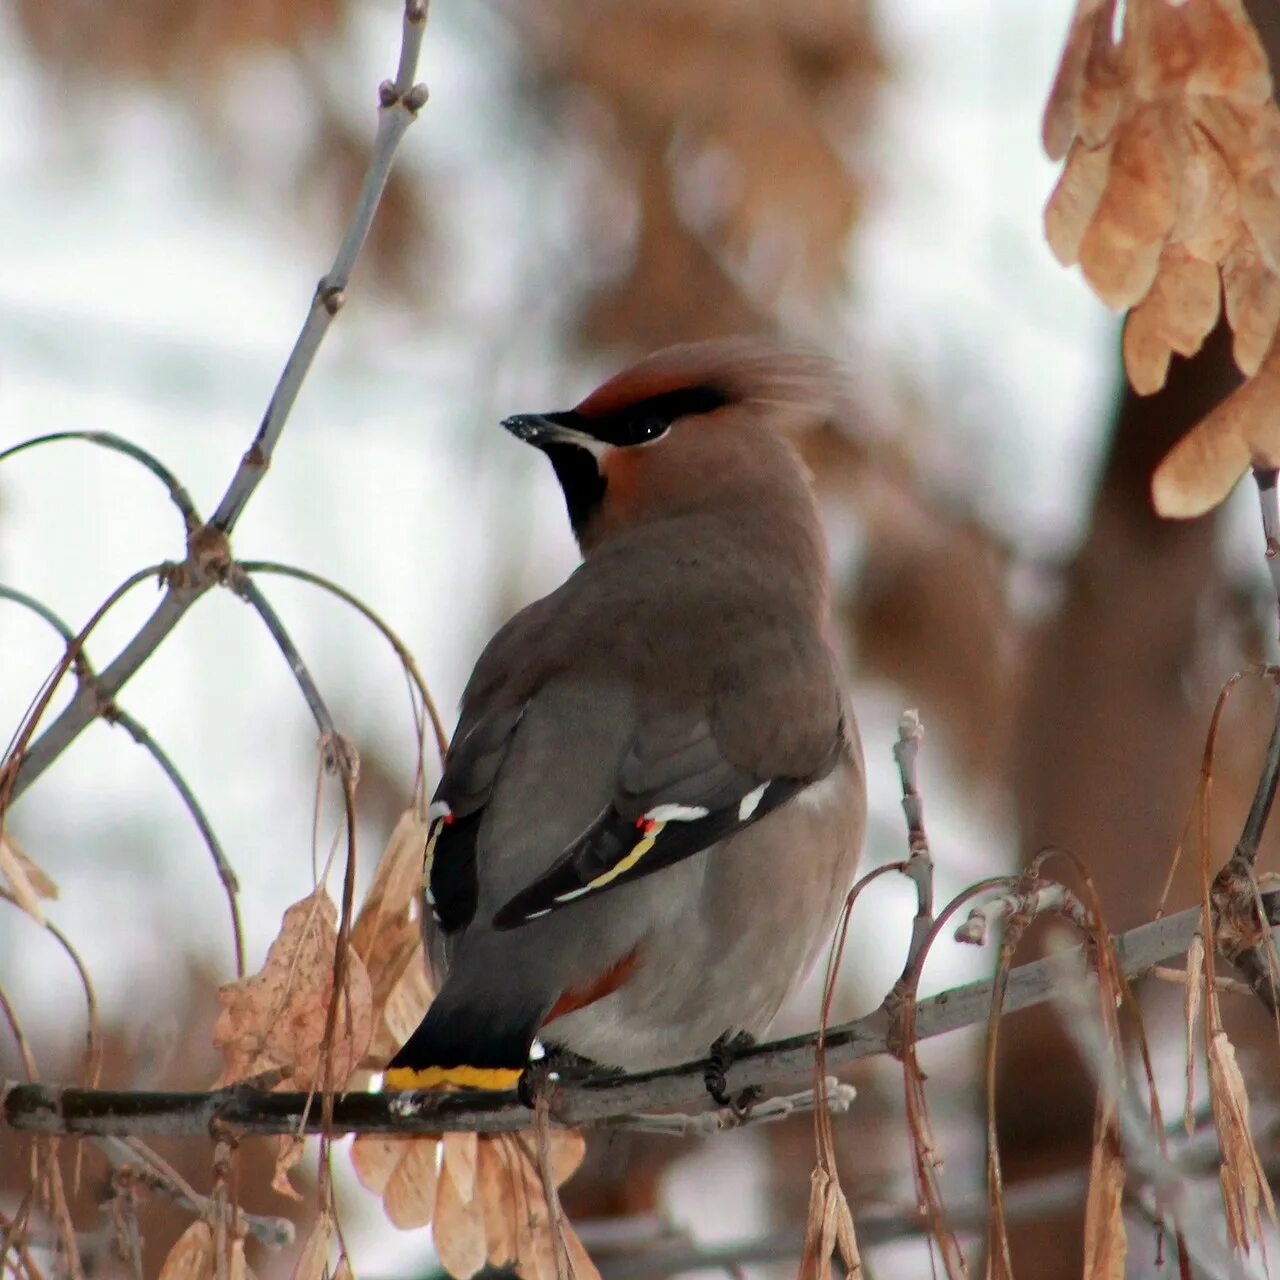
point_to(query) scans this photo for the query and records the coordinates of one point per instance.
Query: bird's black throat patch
(581, 481)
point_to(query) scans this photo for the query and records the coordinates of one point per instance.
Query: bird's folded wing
(677, 795)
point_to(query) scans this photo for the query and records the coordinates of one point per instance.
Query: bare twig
(919, 865)
(137, 731)
(118, 444)
(148, 1167)
(54, 1109)
(402, 652)
(399, 102)
(836, 1097)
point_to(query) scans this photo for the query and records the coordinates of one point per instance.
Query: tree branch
(611, 1101)
(400, 100)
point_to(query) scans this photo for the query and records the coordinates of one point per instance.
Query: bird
(654, 803)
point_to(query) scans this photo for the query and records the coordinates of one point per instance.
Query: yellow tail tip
(399, 1078)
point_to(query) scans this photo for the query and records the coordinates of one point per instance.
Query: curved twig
(401, 651)
(118, 444)
(139, 733)
(400, 100)
(12, 763)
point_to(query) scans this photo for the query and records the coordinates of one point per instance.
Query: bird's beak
(543, 429)
(535, 429)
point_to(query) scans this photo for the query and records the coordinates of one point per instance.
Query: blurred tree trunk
(1107, 756)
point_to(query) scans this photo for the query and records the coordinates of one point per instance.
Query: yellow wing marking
(638, 850)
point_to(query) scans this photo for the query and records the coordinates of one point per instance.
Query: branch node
(210, 551)
(415, 12)
(331, 296)
(416, 99)
(388, 94)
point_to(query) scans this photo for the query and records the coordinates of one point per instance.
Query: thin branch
(248, 591)
(52, 1109)
(118, 444)
(919, 865)
(1269, 502)
(150, 1168)
(138, 732)
(400, 100)
(406, 658)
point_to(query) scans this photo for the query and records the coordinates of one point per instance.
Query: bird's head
(688, 427)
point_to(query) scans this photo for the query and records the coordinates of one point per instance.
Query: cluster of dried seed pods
(1170, 196)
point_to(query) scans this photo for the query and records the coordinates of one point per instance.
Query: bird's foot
(559, 1066)
(723, 1053)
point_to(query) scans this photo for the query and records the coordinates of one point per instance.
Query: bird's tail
(458, 1047)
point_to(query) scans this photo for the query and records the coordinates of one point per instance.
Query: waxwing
(654, 802)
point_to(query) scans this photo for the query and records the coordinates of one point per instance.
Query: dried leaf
(497, 1183)
(580, 1265)
(1252, 294)
(1102, 92)
(1245, 1191)
(1075, 200)
(237, 1263)
(374, 1157)
(1118, 271)
(1105, 1242)
(192, 1257)
(1259, 192)
(276, 1019)
(405, 1004)
(28, 883)
(1176, 315)
(568, 1150)
(1059, 125)
(1140, 202)
(1208, 218)
(314, 1258)
(1195, 985)
(289, 1151)
(395, 888)
(460, 1154)
(1230, 60)
(410, 1195)
(458, 1230)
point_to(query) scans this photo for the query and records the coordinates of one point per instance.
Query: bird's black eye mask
(577, 468)
(645, 420)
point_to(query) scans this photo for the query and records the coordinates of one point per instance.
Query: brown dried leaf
(192, 1257)
(1202, 468)
(1259, 192)
(568, 1150)
(395, 888)
(1252, 293)
(1059, 126)
(374, 1157)
(27, 882)
(580, 1265)
(1140, 201)
(405, 1004)
(410, 1195)
(275, 1020)
(237, 1263)
(1146, 350)
(1186, 300)
(458, 1230)
(1102, 94)
(1163, 48)
(1208, 219)
(1118, 271)
(1105, 1242)
(461, 1151)
(1245, 1191)
(1195, 986)
(1230, 59)
(497, 1187)
(314, 1258)
(1075, 200)
(289, 1151)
